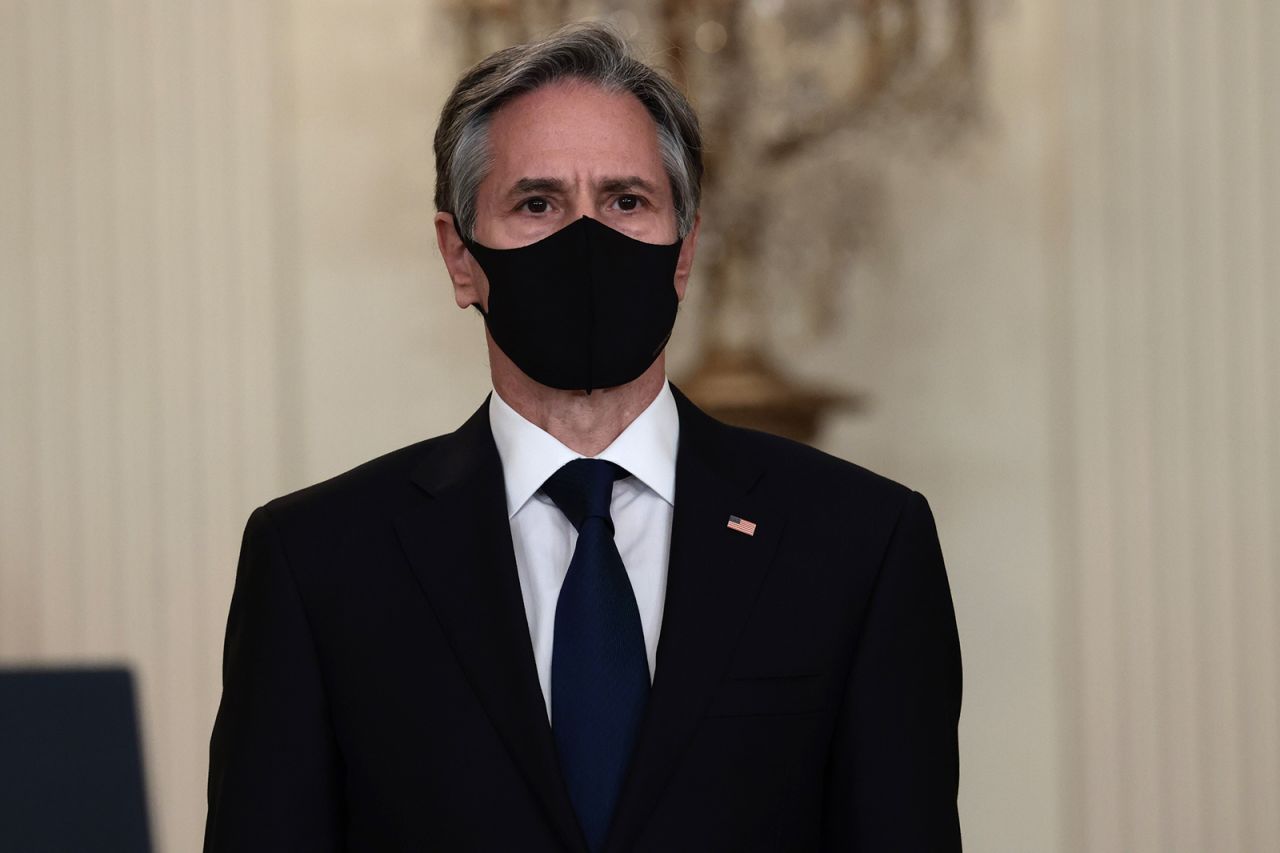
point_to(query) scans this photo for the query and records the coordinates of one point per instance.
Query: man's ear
(463, 270)
(684, 264)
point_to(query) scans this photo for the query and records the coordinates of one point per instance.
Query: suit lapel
(713, 576)
(459, 545)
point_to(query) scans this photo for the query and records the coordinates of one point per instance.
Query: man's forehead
(576, 133)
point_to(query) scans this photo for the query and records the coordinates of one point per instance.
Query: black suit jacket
(380, 692)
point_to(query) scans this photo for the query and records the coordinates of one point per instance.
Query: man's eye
(629, 202)
(535, 205)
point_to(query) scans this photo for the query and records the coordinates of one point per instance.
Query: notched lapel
(714, 576)
(458, 542)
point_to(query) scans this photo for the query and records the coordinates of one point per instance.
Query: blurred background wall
(218, 283)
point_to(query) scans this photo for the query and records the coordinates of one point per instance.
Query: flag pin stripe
(742, 525)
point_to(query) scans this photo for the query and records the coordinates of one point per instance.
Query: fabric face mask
(586, 307)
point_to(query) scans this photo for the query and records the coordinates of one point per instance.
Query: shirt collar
(529, 454)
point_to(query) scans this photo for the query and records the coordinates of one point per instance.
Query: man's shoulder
(807, 473)
(792, 471)
(370, 489)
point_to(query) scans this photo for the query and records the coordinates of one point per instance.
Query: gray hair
(590, 52)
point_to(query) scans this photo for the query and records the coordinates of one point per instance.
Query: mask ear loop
(454, 218)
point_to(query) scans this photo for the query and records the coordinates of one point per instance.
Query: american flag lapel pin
(742, 525)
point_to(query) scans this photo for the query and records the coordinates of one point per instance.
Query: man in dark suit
(593, 617)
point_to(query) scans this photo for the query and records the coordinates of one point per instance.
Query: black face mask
(586, 307)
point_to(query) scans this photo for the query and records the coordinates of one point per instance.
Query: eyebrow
(555, 185)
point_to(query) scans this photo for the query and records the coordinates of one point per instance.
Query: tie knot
(583, 488)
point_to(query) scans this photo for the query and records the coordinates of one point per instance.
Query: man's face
(567, 150)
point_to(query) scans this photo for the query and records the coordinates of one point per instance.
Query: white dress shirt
(544, 539)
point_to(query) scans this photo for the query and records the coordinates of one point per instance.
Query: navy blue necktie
(599, 670)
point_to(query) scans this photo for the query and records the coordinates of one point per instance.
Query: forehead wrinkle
(611, 184)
